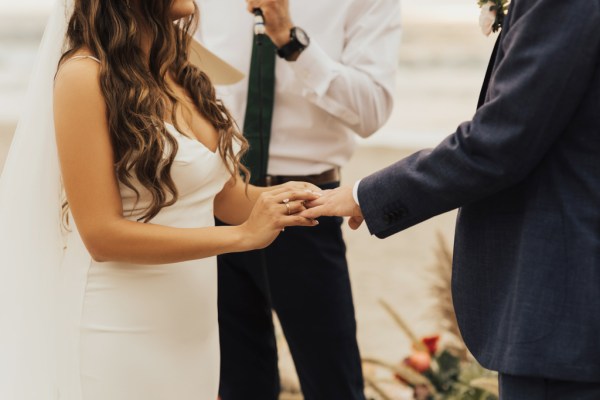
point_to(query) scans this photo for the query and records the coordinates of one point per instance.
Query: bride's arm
(87, 165)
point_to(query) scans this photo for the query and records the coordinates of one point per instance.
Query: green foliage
(444, 371)
(464, 389)
(452, 378)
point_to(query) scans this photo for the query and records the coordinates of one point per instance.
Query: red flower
(420, 361)
(431, 343)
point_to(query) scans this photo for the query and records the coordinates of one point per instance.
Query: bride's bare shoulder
(77, 90)
(79, 68)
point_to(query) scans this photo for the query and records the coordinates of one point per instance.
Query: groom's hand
(335, 203)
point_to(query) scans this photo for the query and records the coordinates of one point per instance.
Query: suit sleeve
(550, 54)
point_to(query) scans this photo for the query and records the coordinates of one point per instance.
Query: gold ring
(289, 210)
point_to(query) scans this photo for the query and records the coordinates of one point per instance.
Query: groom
(526, 173)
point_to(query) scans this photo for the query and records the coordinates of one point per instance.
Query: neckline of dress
(173, 128)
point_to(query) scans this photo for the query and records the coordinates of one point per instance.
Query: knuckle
(265, 197)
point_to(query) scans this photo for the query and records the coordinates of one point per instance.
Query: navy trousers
(303, 276)
(524, 388)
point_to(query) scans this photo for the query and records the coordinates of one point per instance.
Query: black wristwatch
(299, 41)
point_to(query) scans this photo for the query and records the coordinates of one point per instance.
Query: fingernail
(316, 222)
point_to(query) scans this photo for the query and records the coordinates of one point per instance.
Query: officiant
(321, 76)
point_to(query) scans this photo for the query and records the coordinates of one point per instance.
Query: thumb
(355, 222)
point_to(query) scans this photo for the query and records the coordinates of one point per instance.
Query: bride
(122, 305)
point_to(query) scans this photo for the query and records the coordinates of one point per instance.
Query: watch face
(302, 37)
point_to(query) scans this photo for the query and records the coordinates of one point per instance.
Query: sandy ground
(391, 269)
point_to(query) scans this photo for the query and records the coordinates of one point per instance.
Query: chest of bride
(198, 173)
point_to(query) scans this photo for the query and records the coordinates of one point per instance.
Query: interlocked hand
(335, 203)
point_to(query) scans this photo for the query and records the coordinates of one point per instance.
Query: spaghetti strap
(80, 57)
(76, 58)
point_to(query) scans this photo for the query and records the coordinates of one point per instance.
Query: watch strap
(289, 49)
(292, 47)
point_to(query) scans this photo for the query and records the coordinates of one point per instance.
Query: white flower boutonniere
(492, 15)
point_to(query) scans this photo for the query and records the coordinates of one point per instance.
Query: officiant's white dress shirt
(342, 85)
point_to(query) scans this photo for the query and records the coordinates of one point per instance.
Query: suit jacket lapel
(488, 73)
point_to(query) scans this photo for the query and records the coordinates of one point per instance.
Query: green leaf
(489, 385)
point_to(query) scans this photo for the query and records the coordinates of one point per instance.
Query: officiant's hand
(335, 203)
(278, 22)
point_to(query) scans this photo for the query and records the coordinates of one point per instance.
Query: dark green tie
(259, 111)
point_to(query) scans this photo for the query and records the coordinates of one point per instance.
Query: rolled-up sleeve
(357, 88)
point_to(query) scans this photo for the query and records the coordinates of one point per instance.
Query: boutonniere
(492, 15)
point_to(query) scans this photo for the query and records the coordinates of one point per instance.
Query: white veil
(31, 244)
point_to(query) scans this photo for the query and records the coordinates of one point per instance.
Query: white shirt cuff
(315, 68)
(355, 192)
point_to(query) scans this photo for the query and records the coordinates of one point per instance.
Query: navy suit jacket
(526, 173)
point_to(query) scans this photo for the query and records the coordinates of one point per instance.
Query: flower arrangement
(434, 371)
(492, 15)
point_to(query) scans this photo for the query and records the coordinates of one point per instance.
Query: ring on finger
(289, 209)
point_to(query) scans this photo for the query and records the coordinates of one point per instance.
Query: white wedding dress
(75, 329)
(146, 332)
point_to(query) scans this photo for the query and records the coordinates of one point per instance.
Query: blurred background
(440, 70)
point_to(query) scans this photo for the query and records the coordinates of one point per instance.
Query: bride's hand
(275, 210)
(296, 185)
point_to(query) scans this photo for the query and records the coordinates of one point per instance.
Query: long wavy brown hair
(137, 95)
